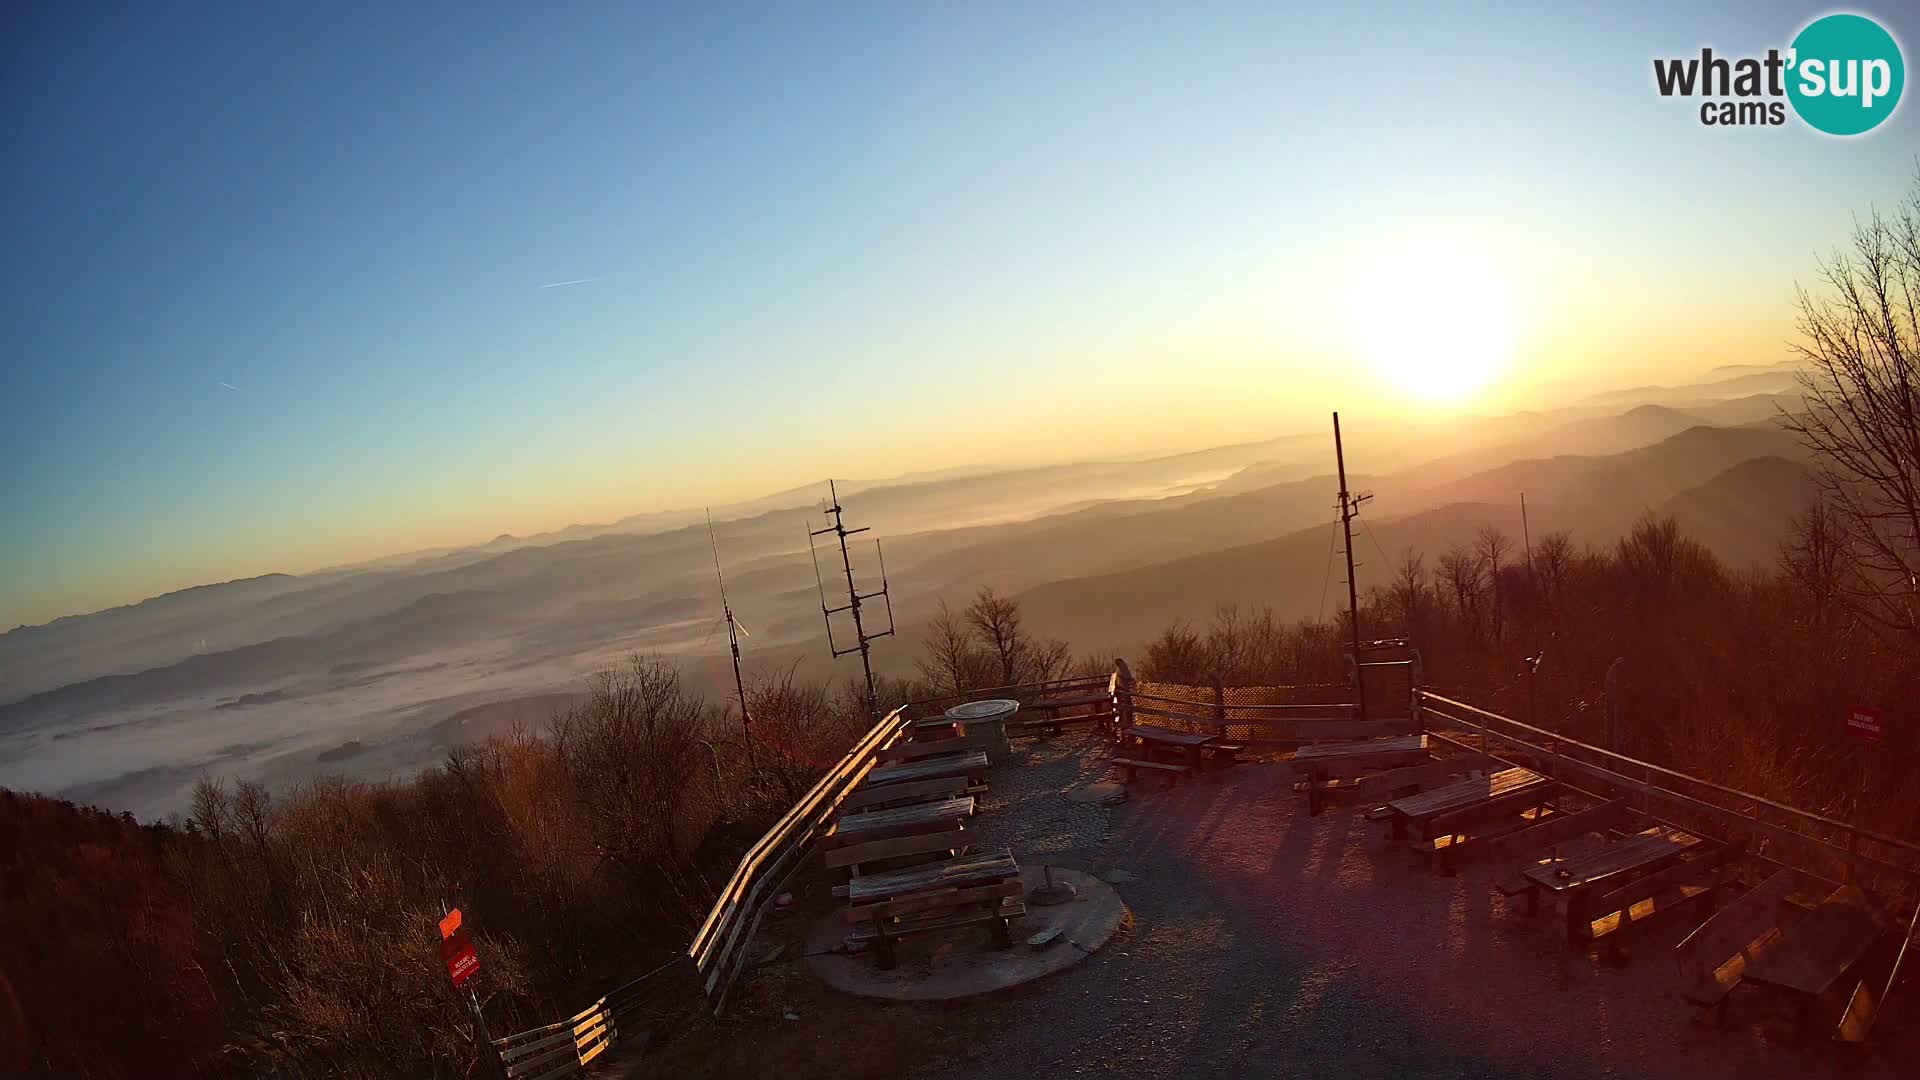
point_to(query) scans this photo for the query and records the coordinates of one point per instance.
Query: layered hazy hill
(376, 667)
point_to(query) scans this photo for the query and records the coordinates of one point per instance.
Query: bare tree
(952, 663)
(1410, 590)
(1460, 570)
(1017, 655)
(1861, 339)
(1492, 545)
(1813, 563)
(1552, 558)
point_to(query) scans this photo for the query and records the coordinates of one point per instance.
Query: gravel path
(1267, 943)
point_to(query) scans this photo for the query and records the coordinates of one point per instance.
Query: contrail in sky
(575, 281)
(229, 386)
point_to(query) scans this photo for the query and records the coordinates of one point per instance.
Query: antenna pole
(1526, 534)
(733, 633)
(863, 640)
(1350, 506)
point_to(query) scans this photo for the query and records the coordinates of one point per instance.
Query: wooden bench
(1692, 880)
(971, 765)
(884, 908)
(926, 914)
(914, 751)
(1224, 753)
(1128, 768)
(1456, 805)
(1464, 832)
(1869, 995)
(952, 873)
(885, 795)
(856, 856)
(945, 815)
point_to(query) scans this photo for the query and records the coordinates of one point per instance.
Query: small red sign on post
(1863, 722)
(462, 961)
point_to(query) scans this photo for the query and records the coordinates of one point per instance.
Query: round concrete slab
(949, 964)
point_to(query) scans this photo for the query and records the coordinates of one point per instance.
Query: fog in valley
(375, 670)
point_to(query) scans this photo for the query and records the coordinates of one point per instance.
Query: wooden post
(1219, 709)
(1123, 698)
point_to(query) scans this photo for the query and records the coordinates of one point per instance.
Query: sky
(288, 286)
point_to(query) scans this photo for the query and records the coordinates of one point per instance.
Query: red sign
(449, 924)
(1863, 722)
(462, 961)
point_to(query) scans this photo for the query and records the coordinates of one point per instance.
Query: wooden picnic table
(1574, 873)
(1818, 948)
(1186, 742)
(933, 768)
(931, 817)
(1325, 758)
(1499, 789)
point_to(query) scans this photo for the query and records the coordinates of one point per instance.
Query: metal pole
(853, 600)
(733, 634)
(494, 1066)
(1353, 591)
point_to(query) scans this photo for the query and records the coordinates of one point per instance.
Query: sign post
(1863, 722)
(463, 963)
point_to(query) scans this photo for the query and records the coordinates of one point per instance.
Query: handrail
(741, 905)
(1211, 705)
(1044, 684)
(554, 1050)
(1894, 842)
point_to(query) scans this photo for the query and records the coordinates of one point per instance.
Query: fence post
(1123, 698)
(1413, 710)
(1219, 708)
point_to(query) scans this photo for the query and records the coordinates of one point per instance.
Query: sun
(1433, 316)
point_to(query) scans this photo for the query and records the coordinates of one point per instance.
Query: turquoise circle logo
(1846, 74)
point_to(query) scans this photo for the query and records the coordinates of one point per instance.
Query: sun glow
(1433, 316)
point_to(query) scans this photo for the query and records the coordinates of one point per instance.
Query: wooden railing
(1236, 713)
(1803, 839)
(562, 1049)
(1090, 697)
(719, 950)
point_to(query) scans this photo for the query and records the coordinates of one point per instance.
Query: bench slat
(855, 854)
(936, 901)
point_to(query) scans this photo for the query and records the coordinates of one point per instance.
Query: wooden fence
(1801, 839)
(1079, 699)
(1255, 714)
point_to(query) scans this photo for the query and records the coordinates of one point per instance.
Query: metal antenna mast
(1349, 509)
(855, 598)
(734, 629)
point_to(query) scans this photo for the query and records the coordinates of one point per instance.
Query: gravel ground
(1267, 943)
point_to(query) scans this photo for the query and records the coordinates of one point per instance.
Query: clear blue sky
(273, 298)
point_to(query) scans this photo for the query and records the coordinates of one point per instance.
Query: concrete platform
(961, 963)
